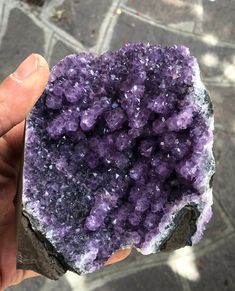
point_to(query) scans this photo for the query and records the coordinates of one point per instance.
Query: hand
(18, 93)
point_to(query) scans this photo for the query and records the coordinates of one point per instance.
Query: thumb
(20, 91)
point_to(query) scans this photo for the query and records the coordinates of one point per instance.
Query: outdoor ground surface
(208, 28)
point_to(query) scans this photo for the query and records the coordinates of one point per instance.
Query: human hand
(18, 93)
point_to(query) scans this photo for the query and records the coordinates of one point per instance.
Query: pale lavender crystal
(115, 147)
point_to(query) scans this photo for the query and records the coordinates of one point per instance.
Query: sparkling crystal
(114, 147)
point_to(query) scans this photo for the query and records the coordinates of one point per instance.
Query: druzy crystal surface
(115, 147)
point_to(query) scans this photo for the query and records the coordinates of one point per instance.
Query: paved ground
(208, 28)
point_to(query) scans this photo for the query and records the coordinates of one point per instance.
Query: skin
(18, 94)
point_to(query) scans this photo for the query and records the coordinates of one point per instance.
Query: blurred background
(55, 28)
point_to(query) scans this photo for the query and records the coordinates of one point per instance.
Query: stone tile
(33, 284)
(105, 272)
(60, 50)
(154, 279)
(224, 187)
(22, 38)
(216, 269)
(167, 11)
(219, 19)
(60, 284)
(223, 99)
(216, 227)
(135, 261)
(82, 19)
(187, 26)
(224, 149)
(212, 59)
(35, 2)
(42, 284)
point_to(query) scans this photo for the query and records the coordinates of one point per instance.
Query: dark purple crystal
(115, 147)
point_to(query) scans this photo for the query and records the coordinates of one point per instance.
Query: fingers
(118, 256)
(14, 141)
(20, 91)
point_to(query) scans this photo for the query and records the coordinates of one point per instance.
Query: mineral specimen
(116, 147)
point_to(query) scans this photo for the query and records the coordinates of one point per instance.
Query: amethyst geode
(116, 147)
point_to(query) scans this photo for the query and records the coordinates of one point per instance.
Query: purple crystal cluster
(115, 147)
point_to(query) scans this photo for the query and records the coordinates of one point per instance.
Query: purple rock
(115, 148)
(115, 118)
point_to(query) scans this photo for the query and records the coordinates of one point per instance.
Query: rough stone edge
(33, 253)
(185, 228)
(36, 253)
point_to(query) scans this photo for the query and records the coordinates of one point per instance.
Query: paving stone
(187, 26)
(82, 19)
(60, 50)
(224, 100)
(217, 225)
(154, 279)
(167, 11)
(133, 262)
(42, 284)
(35, 2)
(105, 272)
(217, 269)
(130, 29)
(34, 283)
(224, 186)
(22, 38)
(60, 284)
(219, 19)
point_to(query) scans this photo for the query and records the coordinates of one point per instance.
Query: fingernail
(28, 67)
